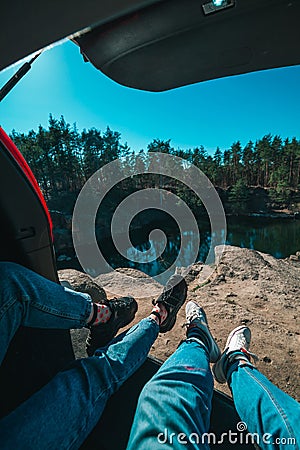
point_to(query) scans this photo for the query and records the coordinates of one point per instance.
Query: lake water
(278, 237)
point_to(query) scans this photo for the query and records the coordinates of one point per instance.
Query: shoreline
(268, 215)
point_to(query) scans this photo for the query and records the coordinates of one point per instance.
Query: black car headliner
(159, 45)
(27, 26)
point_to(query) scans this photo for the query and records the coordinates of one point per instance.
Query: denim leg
(63, 413)
(174, 407)
(31, 300)
(265, 409)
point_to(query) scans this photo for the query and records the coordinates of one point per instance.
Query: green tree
(92, 148)
(236, 155)
(248, 163)
(161, 146)
(239, 196)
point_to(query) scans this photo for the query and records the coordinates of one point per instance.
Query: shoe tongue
(113, 309)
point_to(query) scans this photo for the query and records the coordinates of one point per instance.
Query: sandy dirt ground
(246, 287)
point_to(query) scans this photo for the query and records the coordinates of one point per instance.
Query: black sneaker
(123, 311)
(172, 297)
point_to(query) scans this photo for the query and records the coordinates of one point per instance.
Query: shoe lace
(193, 315)
(250, 354)
(241, 342)
(242, 345)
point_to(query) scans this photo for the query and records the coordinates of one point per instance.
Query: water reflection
(279, 238)
(173, 250)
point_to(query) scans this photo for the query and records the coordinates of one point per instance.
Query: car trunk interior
(34, 355)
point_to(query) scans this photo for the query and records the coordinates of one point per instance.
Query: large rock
(256, 289)
(82, 282)
(62, 232)
(125, 281)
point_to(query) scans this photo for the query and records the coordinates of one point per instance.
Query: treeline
(62, 158)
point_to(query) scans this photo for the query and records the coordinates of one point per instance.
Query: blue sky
(213, 113)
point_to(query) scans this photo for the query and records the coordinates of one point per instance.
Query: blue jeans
(64, 412)
(267, 411)
(174, 407)
(30, 300)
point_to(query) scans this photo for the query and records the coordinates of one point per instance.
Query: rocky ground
(247, 287)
